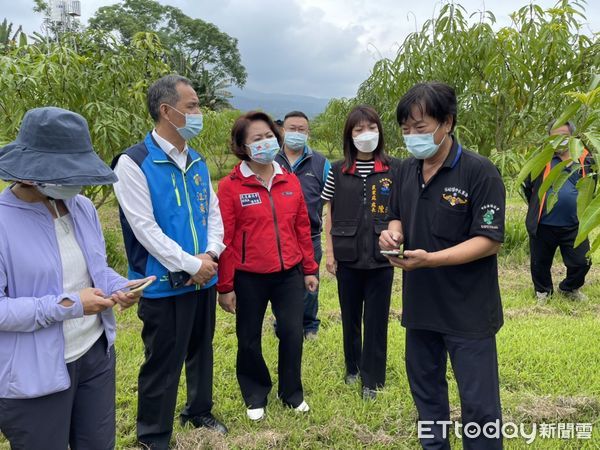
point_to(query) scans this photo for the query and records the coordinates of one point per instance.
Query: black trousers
(367, 290)
(475, 366)
(175, 330)
(543, 247)
(253, 291)
(81, 417)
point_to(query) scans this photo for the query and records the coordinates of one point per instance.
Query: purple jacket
(32, 345)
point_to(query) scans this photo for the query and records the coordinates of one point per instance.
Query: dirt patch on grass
(534, 310)
(369, 438)
(336, 316)
(538, 409)
(328, 434)
(203, 439)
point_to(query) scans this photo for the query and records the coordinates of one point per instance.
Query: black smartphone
(178, 279)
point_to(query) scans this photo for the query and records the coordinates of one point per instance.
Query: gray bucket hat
(54, 146)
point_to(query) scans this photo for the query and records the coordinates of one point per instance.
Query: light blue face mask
(264, 151)
(58, 191)
(294, 140)
(422, 146)
(193, 125)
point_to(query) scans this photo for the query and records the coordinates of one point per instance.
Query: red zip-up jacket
(265, 232)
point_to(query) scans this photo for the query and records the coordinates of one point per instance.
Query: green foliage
(327, 128)
(214, 141)
(8, 39)
(115, 253)
(88, 73)
(515, 247)
(584, 111)
(194, 45)
(211, 89)
(509, 81)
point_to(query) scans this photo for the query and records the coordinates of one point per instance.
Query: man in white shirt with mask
(172, 229)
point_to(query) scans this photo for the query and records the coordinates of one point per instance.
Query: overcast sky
(324, 48)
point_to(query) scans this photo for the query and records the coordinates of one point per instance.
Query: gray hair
(569, 124)
(164, 90)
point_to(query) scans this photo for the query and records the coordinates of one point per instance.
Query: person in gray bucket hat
(57, 327)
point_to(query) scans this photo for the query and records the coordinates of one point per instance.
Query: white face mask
(366, 142)
(59, 192)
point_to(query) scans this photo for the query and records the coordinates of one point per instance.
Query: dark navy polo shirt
(564, 212)
(464, 199)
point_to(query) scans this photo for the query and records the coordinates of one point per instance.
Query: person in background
(279, 124)
(268, 257)
(447, 208)
(549, 230)
(173, 230)
(357, 192)
(311, 168)
(57, 327)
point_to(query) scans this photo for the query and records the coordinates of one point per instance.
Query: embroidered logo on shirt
(455, 196)
(489, 212)
(287, 193)
(385, 187)
(488, 217)
(250, 199)
(310, 174)
(197, 179)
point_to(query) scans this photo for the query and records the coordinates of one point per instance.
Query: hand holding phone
(396, 252)
(130, 294)
(141, 285)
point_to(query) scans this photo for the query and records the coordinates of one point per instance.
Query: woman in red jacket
(269, 256)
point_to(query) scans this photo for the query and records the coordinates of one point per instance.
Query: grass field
(548, 356)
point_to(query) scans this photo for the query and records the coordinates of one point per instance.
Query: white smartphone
(396, 252)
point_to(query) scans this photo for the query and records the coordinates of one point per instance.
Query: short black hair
(437, 100)
(295, 114)
(164, 90)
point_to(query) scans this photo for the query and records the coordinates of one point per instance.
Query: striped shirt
(363, 168)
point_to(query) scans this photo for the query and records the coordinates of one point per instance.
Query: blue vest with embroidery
(180, 200)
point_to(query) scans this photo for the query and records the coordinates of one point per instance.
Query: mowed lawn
(549, 372)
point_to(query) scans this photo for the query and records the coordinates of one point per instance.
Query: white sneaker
(542, 297)
(256, 413)
(302, 407)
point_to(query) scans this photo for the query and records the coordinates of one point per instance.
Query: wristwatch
(213, 255)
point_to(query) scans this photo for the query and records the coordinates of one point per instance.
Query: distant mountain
(277, 105)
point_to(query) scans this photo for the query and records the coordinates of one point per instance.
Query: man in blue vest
(172, 229)
(311, 168)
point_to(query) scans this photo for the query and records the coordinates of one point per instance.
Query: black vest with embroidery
(359, 210)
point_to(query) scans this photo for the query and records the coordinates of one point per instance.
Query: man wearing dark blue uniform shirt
(557, 228)
(447, 209)
(311, 168)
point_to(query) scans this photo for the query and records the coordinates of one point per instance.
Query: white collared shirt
(247, 172)
(133, 195)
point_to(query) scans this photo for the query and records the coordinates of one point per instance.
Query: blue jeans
(311, 299)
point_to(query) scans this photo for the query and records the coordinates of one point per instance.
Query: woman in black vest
(357, 192)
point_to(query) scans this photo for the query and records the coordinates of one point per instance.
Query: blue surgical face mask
(422, 146)
(193, 125)
(59, 192)
(295, 141)
(264, 151)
